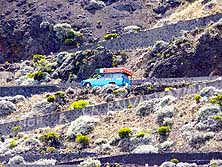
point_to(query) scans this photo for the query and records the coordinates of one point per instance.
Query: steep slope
(195, 54)
(21, 35)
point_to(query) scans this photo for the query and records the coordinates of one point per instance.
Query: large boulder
(6, 108)
(83, 63)
(92, 5)
(44, 107)
(82, 125)
(129, 6)
(16, 160)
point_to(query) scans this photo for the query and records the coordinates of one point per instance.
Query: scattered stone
(90, 163)
(44, 162)
(82, 125)
(133, 28)
(209, 91)
(101, 141)
(94, 5)
(6, 108)
(145, 108)
(208, 110)
(168, 164)
(185, 164)
(16, 160)
(104, 148)
(44, 107)
(145, 149)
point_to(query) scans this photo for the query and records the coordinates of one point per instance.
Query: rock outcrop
(196, 55)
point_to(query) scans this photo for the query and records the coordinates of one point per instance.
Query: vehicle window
(117, 75)
(108, 75)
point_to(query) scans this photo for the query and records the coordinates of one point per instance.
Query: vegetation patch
(13, 143)
(217, 117)
(111, 36)
(197, 97)
(38, 57)
(50, 149)
(124, 132)
(216, 99)
(37, 75)
(174, 160)
(141, 134)
(51, 98)
(50, 138)
(78, 104)
(83, 140)
(163, 130)
(16, 128)
(60, 93)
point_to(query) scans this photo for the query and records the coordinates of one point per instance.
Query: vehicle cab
(118, 76)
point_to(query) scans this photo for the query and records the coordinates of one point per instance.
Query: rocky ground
(187, 124)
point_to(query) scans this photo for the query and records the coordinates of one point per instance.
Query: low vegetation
(216, 99)
(78, 104)
(163, 130)
(110, 36)
(83, 140)
(124, 132)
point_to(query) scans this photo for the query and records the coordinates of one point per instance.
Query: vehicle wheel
(112, 83)
(87, 85)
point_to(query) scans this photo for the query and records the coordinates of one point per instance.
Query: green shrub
(174, 160)
(163, 130)
(124, 132)
(50, 149)
(136, 28)
(217, 117)
(109, 36)
(83, 140)
(216, 99)
(69, 41)
(168, 89)
(214, 165)
(12, 143)
(16, 128)
(60, 93)
(37, 75)
(51, 98)
(38, 57)
(130, 106)
(149, 88)
(71, 34)
(29, 75)
(50, 138)
(141, 134)
(42, 152)
(78, 34)
(197, 97)
(78, 104)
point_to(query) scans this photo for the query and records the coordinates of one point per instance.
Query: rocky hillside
(27, 27)
(194, 54)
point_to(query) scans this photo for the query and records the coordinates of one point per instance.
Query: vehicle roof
(115, 70)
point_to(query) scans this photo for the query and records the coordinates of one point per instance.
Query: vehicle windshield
(117, 75)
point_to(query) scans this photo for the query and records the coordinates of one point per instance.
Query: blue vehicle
(117, 76)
